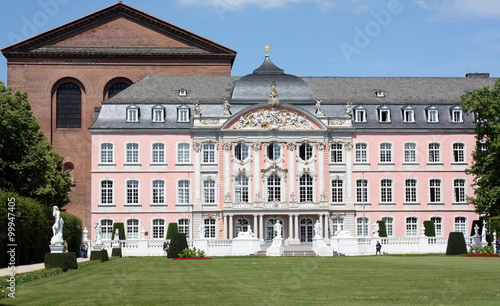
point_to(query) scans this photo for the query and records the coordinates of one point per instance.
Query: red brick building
(70, 70)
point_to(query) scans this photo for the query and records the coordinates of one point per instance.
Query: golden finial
(267, 49)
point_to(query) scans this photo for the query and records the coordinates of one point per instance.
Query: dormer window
(456, 114)
(379, 93)
(359, 114)
(408, 114)
(384, 114)
(158, 113)
(432, 114)
(183, 114)
(133, 113)
(182, 92)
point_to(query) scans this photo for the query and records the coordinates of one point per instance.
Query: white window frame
(385, 153)
(241, 151)
(106, 192)
(183, 114)
(241, 189)
(308, 151)
(158, 188)
(273, 151)
(184, 226)
(459, 190)
(386, 190)
(107, 155)
(132, 193)
(434, 152)
(158, 230)
(361, 154)
(337, 191)
(362, 190)
(132, 154)
(432, 116)
(106, 228)
(306, 188)
(210, 227)
(209, 191)
(360, 115)
(457, 116)
(458, 152)
(438, 226)
(274, 188)
(158, 114)
(408, 115)
(132, 230)
(336, 153)
(411, 191)
(209, 153)
(337, 225)
(411, 226)
(384, 115)
(460, 224)
(410, 152)
(389, 225)
(158, 154)
(133, 113)
(362, 228)
(435, 191)
(183, 191)
(183, 153)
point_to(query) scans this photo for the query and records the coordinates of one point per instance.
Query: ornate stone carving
(336, 122)
(319, 112)
(227, 145)
(348, 146)
(273, 118)
(320, 145)
(292, 146)
(197, 109)
(273, 98)
(256, 146)
(348, 110)
(210, 122)
(226, 108)
(197, 146)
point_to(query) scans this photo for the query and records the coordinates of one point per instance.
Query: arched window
(305, 151)
(411, 227)
(116, 88)
(158, 192)
(132, 229)
(183, 226)
(241, 151)
(241, 226)
(69, 106)
(306, 230)
(209, 228)
(158, 228)
(106, 228)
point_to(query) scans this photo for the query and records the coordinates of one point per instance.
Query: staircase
(301, 250)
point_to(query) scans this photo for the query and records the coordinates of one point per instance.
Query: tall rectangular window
(132, 114)
(107, 192)
(183, 115)
(461, 225)
(432, 115)
(274, 188)
(410, 152)
(183, 226)
(158, 150)
(438, 226)
(362, 191)
(384, 115)
(158, 114)
(209, 228)
(107, 155)
(361, 152)
(209, 191)
(305, 188)
(336, 153)
(459, 191)
(158, 192)
(386, 191)
(458, 152)
(158, 229)
(337, 225)
(385, 152)
(434, 152)
(435, 191)
(411, 191)
(362, 227)
(456, 116)
(183, 192)
(411, 227)
(408, 115)
(389, 225)
(183, 153)
(337, 191)
(132, 231)
(241, 188)
(209, 153)
(106, 228)
(132, 152)
(132, 192)
(359, 115)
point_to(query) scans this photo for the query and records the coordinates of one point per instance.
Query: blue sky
(431, 38)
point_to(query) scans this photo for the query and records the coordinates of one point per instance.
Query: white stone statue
(98, 234)
(85, 234)
(319, 112)
(247, 234)
(476, 230)
(483, 232)
(277, 229)
(197, 108)
(317, 229)
(226, 108)
(202, 231)
(57, 228)
(348, 110)
(376, 229)
(117, 236)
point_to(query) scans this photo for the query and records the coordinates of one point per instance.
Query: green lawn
(272, 281)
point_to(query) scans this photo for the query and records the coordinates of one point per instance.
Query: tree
(28, 163)
(484, 104)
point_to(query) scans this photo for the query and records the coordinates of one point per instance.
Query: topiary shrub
(430, 229)
(65, 261)
(173, 228)
(382, 232)
(116, 252)
(121, 230)
(177, 244)
(456, 244)
(101, 255)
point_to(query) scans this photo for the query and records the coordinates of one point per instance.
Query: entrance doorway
(306, 230)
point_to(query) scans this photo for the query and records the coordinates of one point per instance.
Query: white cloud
(461, 9)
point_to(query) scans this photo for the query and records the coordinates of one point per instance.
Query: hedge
(177, 244)
(430, 229)
(116, 252)
(173, 228)
(382, 232)
(121, 231)
(456, 244)
(101, 255)
(64, 261)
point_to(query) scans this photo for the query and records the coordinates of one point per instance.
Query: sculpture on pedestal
(277, 229)
(376, 228)
(57, 228)
(98, 234)
(202, 231)
(317, 229)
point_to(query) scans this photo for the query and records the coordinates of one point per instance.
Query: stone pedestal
(277, 248)
(320, 248)
(57, 248)
(245, 246)
(96, 247)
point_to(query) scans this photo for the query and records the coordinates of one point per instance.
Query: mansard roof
(188, 44)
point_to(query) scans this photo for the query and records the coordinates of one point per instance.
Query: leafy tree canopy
(28, 163)
(484, 103)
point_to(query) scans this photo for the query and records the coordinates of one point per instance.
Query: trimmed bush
(116, 252)
(65, 261)
(173, 228)
(456, 244)
(430, 230)
(177, 244)
(494, 225)
(101, 255)
(72, 232)
(121, 231)
(382, 232)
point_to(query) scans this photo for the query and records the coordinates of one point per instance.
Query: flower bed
(481, 255)
(180, 258)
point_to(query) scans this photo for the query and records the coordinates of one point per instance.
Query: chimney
(477, 75)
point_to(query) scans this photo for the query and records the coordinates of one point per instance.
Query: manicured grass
(374, 280)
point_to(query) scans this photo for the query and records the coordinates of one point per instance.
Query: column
(227, 169)
(291, 167)
(197, 175)
(231, 236)
(296, 226)
(256, 170)
(261, 229)
(226, 229)
(321, 169)
(290, 227)
(254, 227)
(348, 175)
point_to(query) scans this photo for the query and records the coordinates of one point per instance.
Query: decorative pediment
(273, 118)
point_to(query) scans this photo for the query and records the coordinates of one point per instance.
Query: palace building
(155, 130)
